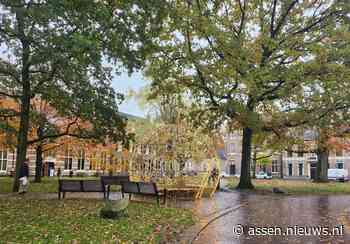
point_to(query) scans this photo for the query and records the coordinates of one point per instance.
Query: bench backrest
(148, 188)
(139, 187)
(130, 187)
(69, 185)
(92, 185)
(114, 180)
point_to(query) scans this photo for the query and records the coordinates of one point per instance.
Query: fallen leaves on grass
(77, 221)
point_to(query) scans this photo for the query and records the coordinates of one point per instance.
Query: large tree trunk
(253, 168)
(25, 100)
(322, 165)
(22, 135)
(245, 181)
(281, 165)
(39, 155)
(38, 163)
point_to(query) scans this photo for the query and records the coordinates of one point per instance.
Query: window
(290, 169)
(231, 147)
(92, 161)
(232, 169)
(274, 166)
(3, 160)
(339, 153)
(103, 160)
(50, 153)
(289, 154)
(68, 160)
(301, 168)
(81, 159)
(339, 164)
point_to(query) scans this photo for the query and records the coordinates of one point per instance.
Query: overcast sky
(122, 84)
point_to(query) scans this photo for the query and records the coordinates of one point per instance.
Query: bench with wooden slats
(65, 185)
(142, 188)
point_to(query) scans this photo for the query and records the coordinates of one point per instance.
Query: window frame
(68, 160)
(290, 173)
(274, 166)
(338, 162)
(103, 160)
(3, 158)
(81, 159)
(302, 168)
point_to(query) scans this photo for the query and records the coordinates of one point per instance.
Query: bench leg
(108, 191)
(59, 195)
(129, 196)
(158, 200)
(64, 195)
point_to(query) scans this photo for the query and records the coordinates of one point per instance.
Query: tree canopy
(251, 63)
(63, 51)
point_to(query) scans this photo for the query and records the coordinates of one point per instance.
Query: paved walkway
(226, 210)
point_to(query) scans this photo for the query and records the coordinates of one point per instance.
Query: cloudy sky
(123, 84)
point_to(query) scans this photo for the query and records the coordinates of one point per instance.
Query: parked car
(263, 175)
(338, 174)
(223, 174)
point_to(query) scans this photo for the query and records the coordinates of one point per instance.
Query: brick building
(67, 159)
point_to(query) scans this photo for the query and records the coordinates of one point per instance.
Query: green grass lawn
(48, 184)
(78, 221)
(297, 186)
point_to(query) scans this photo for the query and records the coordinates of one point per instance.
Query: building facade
(80, 161)
(297, 165)
(66, 160)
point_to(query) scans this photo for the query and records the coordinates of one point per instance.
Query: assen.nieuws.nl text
(295, 230)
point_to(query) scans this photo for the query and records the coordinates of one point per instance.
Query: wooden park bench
(142, 188)
(108, 181)
(79, 186)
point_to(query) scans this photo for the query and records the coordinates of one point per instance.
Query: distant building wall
(295, 165)
(60, 160)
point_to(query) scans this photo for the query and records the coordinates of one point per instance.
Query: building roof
(130, 116)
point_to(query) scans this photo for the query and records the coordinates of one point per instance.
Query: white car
(338, 174)
(224, 174)
(263, 175)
